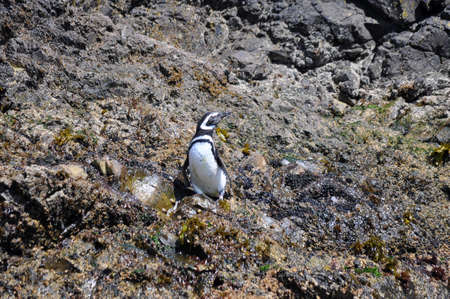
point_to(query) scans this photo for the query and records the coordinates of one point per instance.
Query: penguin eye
(212, 121)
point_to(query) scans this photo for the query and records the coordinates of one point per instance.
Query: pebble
(284, 162)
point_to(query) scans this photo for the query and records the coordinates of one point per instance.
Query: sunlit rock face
(337, 149)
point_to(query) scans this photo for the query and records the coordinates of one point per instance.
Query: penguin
(203, 167)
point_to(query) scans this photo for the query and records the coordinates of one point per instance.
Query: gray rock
(443, 136)
(250, 65)
(432, 36)
(402, 12)
(421, 86)
(348, 81)
(90, 80)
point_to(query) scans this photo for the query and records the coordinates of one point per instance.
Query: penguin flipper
(185, 170)
(221, 165)
(181, 184)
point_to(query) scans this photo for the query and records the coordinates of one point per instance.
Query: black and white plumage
(203, 167)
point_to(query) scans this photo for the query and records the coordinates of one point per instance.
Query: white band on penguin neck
(203, 126)
(203, 138)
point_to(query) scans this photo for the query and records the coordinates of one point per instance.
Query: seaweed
(222, 134)
(190, 229)
(440, 155)
(246, 149)
(373, 248)
(66, 135)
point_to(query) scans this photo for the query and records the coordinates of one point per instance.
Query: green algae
(372, 270)
(265, 268)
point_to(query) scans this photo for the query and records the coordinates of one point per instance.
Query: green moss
(263, 249)
(246, 149)
(231, 234)
(330, 167)
(381, 110)
(404, 277)
(164, 201)
(163, 279)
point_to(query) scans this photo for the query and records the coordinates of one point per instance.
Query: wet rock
(153, 191)
(203, 202)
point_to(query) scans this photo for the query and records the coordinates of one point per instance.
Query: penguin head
(210, 120)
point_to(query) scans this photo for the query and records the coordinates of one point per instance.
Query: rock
(257, 161)
(443, 136)
(114, 167)
(250, 65)
(357, 89)
(109, 166)
(431, 36)
(74, 171)
(348, 82)
(280, 106)
(310, 166)
(397, 62)
(338, 108)
(101, 165)
(203, 202)
(421, 86)
(168, 239)
(404, 13)
(145, 189)
(284, 162)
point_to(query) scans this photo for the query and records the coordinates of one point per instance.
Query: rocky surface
(338, 148)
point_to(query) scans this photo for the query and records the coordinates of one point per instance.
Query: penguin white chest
(206, 175)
